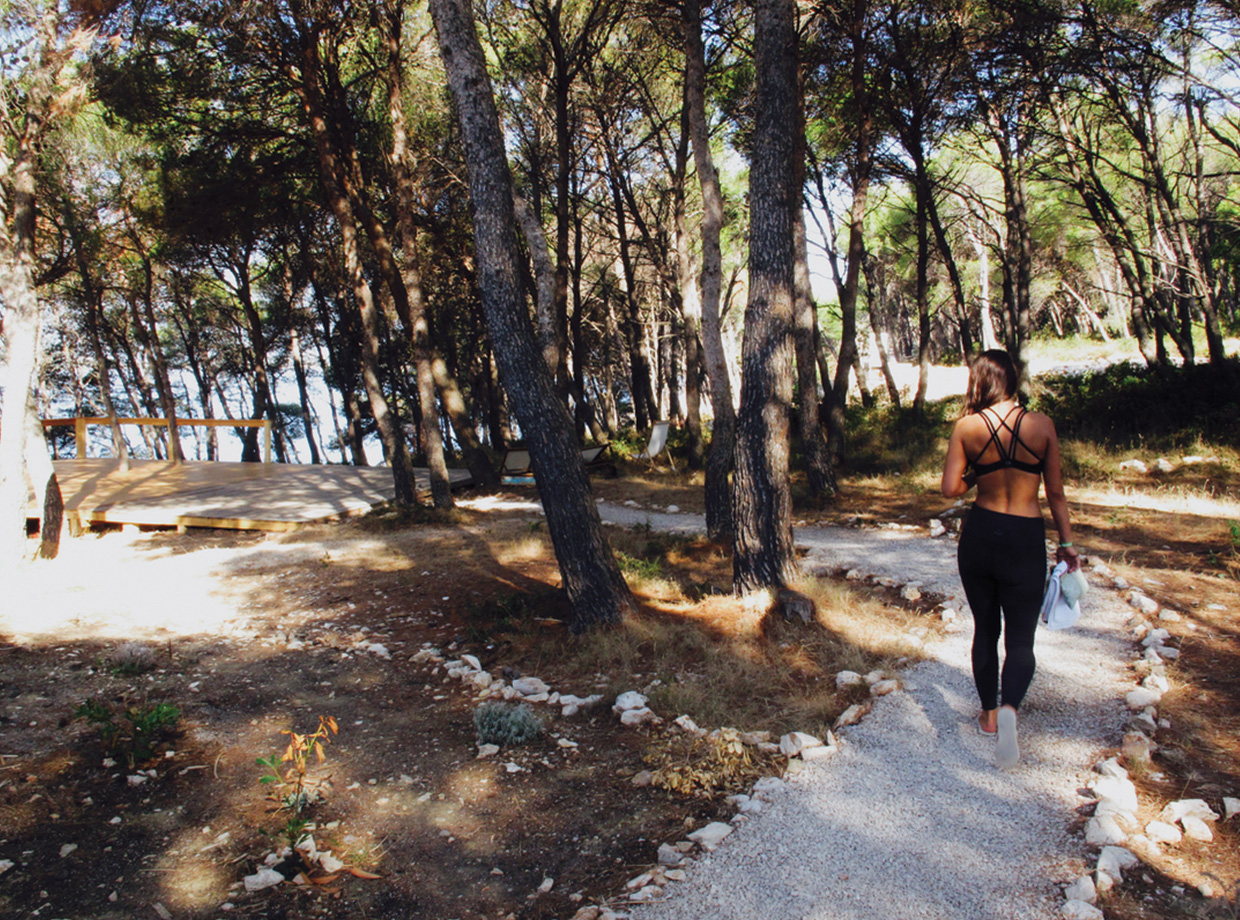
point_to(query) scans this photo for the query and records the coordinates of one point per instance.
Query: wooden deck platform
(237, 496)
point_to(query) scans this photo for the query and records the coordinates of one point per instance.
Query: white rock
(1162, 832)
(329, 863)
(769, 786)
(511, 767)
(472, 661)
(848, 679)
(631, 718)
(67, 849)
(673, 509)
(642, 778)
(710, 836)
(852, 715)
(1143, 603)
(530, 686)
(795, 742)
(910, 592)
(854, 575)
(136, 779)
(1171, 653)
(675, 875)
(488, 750)
(480, 679)
(1120, 583)
(1083, 889)
(1120, 791)
(818, 753)
(1231, 806)
(948, 615)
(265, 877)
(1111, 767)
(1135, 465)
(378, 650)
(1141, 697)
(1114, 860)
(537, 698)
(1167, 615)
(1196, 829)
(936, 528)
(649, 893)
(1156, 682)
(5, 865)
(1163, 465)
(883, 687)
(1102, 831)
(630, 699)
(669, 855)
(1156, 637)
(547, 885)
(688, 726)
(755, 738)
(1080, 910)
(1188, 808)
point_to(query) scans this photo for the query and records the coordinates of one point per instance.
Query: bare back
(1008, 489)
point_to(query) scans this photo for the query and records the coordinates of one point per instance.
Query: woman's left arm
(1052, 478)
(957, 478)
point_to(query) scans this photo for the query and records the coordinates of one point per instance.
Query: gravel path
(910, 820)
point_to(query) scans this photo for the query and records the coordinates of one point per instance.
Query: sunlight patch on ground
(498, 503)
(158, 599)
(1170, 502)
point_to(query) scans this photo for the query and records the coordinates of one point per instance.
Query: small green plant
(1233, 530)
(136, 740)
(289, 774)
(638, 567)
(498, 723)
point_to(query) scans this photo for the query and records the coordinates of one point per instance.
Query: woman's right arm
(1052, 478)
(956, 478)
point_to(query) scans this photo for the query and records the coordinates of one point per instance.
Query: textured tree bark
(820, 472)
(861, 173)
(761, 502)
(723, 434)
(18, 191)
(410, 272)
(690, 301)
(591, 577)
(363, 296)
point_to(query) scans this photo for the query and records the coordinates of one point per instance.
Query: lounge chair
(658, 441)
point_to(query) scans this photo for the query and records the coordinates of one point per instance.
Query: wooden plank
(248, 496)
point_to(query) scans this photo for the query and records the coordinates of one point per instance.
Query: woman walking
(1008, 454)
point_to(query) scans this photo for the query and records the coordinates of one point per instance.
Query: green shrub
(1128, 406)
(884, 439)
(502, 724)
(137, 740)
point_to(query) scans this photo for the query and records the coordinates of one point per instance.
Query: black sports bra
(1007, 455)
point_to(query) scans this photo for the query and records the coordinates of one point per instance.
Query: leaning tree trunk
(591, 577)
(385, 417)
(761, 502)
(722, 439)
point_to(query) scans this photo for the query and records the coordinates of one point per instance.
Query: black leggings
(1002, 562)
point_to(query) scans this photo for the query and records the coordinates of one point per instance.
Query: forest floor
(252, 636)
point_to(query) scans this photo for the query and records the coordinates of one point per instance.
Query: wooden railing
(81, 422)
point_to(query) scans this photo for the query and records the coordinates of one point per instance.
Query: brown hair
(992, 377)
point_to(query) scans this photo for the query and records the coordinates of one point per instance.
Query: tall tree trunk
(18, 194)
(690, 299)
(592, 580)
(761, 501)
(820, 473)
(544, 280)
(862, 168)
(386, 420)
(722, 439)
(411, 275)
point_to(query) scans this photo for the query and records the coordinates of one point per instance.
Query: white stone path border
(911, 820)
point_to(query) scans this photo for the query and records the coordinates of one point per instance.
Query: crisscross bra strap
(1007, 455)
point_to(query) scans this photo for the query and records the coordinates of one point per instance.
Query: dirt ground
(251, 636)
